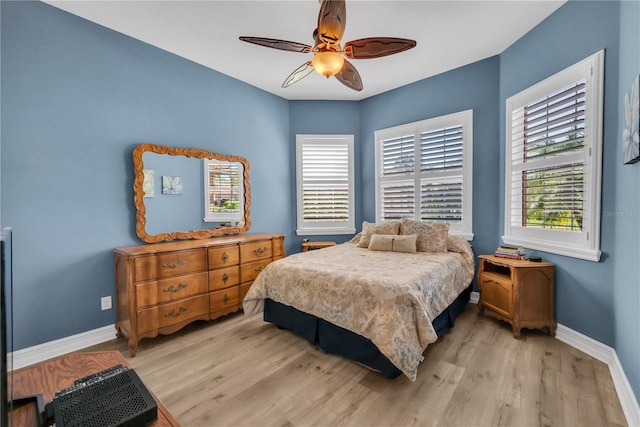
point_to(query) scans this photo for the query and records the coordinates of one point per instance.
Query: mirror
(169, 193)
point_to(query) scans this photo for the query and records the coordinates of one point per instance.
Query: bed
(381, 308)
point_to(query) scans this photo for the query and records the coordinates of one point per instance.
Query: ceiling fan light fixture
(327, 63)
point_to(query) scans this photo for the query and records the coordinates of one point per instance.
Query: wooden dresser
(162, 287)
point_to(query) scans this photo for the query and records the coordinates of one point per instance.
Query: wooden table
(56, 374)
(316, 245)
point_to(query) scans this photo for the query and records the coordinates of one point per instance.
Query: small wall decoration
(631, 132)
(171, 185)
(147, 183)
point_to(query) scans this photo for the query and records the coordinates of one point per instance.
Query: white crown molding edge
(593, 348)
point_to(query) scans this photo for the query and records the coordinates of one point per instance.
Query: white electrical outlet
(105, 303)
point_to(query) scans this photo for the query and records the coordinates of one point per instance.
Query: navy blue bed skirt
(336, 340)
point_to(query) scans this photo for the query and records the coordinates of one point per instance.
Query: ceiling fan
(328, 57)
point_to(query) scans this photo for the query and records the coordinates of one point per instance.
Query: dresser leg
(516, 332)
(133, 348)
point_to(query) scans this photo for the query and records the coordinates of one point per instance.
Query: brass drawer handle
(225, 257)
(259, 269)
(174, 289)
(225, 299)
(173, 313)
(170, 264)
(260, 251)
(225, 277)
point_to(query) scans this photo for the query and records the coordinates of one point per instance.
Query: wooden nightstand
(316, 245)
(517, 291)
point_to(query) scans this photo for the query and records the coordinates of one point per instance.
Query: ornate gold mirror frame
(138, 194)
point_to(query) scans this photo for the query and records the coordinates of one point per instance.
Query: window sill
(324, 231)
(555, 248)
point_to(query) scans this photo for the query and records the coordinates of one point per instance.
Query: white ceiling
(449, 34)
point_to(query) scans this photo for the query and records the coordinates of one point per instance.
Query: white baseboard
(48, 350)
(607, 355)
(593, 348)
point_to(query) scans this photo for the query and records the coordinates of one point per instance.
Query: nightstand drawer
(497, 296)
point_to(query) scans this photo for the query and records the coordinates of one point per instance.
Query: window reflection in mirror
(223, 198)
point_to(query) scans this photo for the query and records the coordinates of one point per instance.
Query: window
(223, 191)
(553, 162)
(424, 171)
(324, 165)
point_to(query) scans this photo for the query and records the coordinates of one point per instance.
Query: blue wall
(590, 296)
(474, 87)
(626, 211)
(77, 98)
(324, 117)
(584, 28)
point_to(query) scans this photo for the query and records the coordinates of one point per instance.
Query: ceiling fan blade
(349, 76)
(331, 21)
(278, 44)
(375, 47)
(298, 74)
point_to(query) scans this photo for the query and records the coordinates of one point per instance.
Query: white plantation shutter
(547, 157)
(552, 172)
(441, 149)
(424, 171)
(441, 201)
(398, 156)
(325, 184)
(398, 200)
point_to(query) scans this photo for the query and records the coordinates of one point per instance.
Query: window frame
(584, 244)
(223, 217)
(464, 119)
(312, 228)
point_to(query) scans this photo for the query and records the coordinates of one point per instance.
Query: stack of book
(512, 252)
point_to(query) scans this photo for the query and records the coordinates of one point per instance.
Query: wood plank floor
(240, 371)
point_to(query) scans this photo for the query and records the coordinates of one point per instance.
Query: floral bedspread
(391, 298)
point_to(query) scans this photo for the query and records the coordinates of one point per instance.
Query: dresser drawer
(224, 300)
(165, 290)
(278, 247)
(250, 271)
(145, 268)
(174, 263)
(255, 251)
(497, 296)
(164, 315)
(224, 278)
(224, 256)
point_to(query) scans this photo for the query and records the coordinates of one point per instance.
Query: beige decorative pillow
(384, 227)
(432, 236)
(393, 243)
